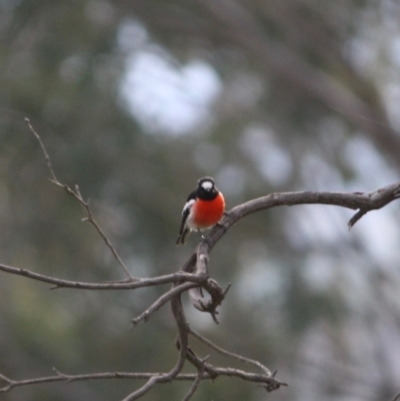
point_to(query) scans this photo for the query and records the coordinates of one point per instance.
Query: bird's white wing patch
(187, 206)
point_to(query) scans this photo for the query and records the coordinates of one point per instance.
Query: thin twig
(162, 300)
(77, 195)
(269, 382)
(183, 333)
(46, 155)
(222, 351)
(197, 381)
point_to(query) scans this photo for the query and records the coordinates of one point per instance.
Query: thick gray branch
(364, 202)
(198, 262)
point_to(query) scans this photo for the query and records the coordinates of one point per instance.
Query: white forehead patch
(207, 185)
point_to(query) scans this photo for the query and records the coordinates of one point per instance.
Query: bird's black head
(206, 189)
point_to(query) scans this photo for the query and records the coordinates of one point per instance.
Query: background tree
(135, 100)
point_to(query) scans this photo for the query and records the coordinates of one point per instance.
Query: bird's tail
(183, 237)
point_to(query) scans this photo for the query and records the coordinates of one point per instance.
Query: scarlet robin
(203, 209)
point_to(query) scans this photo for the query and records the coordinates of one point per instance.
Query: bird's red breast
(207, 213)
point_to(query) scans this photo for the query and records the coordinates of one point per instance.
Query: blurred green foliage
(134, 102)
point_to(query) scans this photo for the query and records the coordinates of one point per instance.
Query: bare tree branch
(77, 195)
(62, 377)
(197, 381)
(193, 277)
(222, 351)
(364, 202)
(162, 378)
(113, 285)
(198, 261)
(214, 290)
(183, 334)
(162, 300)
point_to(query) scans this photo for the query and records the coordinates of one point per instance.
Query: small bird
(203, 209)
